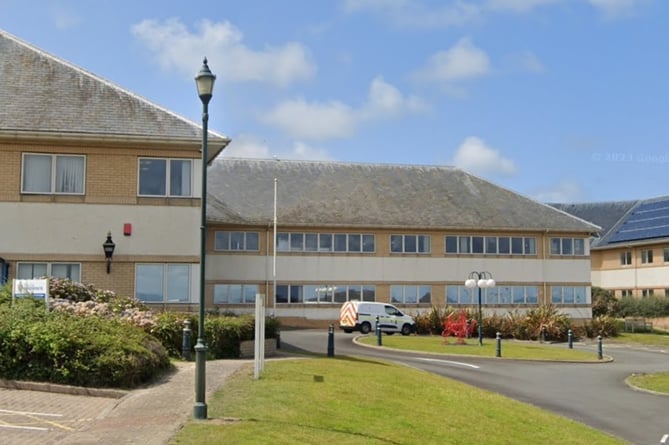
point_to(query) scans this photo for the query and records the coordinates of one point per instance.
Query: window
(625, 258)
(626, 293)
(410, 243)
(491, 245)
(57, 174)
(166, 283)
(235, 293)
(225, 240)
(165, 177)
(410, 294)
(569, 295)
(647, 293)
(29, 271)
(568, 246)
(646, 256)
(324, 242)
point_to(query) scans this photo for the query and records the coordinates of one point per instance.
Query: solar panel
(648, 220)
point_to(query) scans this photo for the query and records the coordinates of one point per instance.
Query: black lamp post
(480, 280)
(205, 86)
(108, 246)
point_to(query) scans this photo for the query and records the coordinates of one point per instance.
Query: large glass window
(569, 295)
(646, 256)
(29, 271)
(410, 294)
(165, 177)
(57, 174)
(324, 242)
(490, 245)
(568, 246)
(235, 293)
(410, 243)
(167, 283)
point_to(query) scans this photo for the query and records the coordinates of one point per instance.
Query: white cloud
(412, 13)
(612, 9)
(329, 120)
(474, 156)
(518, 6)
(64, 19)
(176, 47)
(251, 146)
(462, 61)
(566, 191)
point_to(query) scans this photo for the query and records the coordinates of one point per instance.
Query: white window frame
(219, 235)
(247, 293)
(49, 269)
(647, 256)
(168, 184)
(165, 281)
(626, 258)
(54, 174)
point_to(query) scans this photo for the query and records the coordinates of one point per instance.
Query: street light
(205, 86)
(480, 280)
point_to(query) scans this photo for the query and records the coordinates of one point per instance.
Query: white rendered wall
(80, 229)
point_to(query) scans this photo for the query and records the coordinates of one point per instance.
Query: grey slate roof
(241, 191)
(41, 93)
(607, 215)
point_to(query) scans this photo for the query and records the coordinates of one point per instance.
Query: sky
(558, 100)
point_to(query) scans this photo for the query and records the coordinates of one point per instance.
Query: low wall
(247, 348)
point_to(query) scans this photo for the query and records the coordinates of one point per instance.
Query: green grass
(364, 402)
(510, 348)
(648, 339)
(658, 382)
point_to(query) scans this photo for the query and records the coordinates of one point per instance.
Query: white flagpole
(274, 255)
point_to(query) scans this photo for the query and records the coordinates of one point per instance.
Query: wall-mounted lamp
(109, 247)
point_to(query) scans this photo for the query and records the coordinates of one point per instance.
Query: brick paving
(52, 415)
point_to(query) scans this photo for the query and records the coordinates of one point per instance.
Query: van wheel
(406, 329)
(365, 328)
(348, 331)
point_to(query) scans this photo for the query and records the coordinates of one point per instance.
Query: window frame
(53, 171)
(165, 282)
(223, 240)
(168, 178)
(48, 267)
(247, 293)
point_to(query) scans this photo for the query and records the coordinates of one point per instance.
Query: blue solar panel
(648, 220)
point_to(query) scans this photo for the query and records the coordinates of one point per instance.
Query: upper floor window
(666, 254)
(53, 174)
(165, 177)
(225, 240)
(28, 271)
(568, 246)
(164, 283)
(646, 256)
(410, 243)
(325, 242)
(625, 258)
(491, 245)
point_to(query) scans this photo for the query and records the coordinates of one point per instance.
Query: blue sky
(559, 100)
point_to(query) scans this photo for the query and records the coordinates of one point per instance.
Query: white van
(362, 316)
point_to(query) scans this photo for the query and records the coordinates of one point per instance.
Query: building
(410, 235)
(81, 158)
(631, 257)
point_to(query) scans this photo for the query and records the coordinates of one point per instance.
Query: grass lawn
(510, 348)
(649, 339)
(658, 382)
(360, 401)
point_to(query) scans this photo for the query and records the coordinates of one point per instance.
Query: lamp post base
(200, 408)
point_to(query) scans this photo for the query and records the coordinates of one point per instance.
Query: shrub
(602, 325)
(60, 347)
(604, 302)
(644, 307)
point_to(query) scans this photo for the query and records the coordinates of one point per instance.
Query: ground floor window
(235, 293)
(568, 295)
(27, 271)
(499, 295)
(163, 283)
(326, 293)
(410, 294)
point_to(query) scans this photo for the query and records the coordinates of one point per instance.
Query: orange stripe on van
(347, 315)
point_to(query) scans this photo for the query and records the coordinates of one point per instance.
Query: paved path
(149, 416)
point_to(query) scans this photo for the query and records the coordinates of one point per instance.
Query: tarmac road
(594, 394)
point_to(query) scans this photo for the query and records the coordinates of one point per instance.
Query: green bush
(644, 307)
(602, 325)
(604, 302)
(59, 347)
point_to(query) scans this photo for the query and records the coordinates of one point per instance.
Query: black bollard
(186, 341)
(543, 334)
(278, 338)
(600, 354)
(498, 350)
(331, 341)
(379, 342)
(570, 337)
